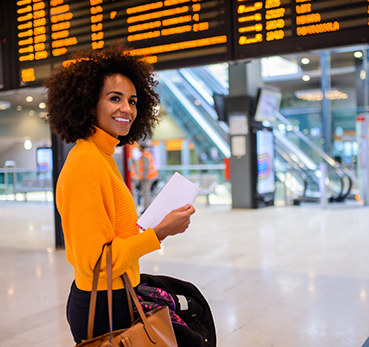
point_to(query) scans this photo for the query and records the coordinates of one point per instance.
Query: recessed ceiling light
(42, 105)
(28, 144)
(19, 108)
(358, 54)
(29, 98)
(306, 78)
(305, 61)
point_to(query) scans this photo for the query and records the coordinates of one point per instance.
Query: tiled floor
(274, 277)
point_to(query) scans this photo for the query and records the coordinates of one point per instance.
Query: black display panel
(180, 33)
(2, 81)
(272, 27)
(173, 33)
(267, 104)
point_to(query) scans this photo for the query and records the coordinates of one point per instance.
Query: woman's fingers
(175, 222)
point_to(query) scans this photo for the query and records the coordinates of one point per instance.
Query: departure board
(180, 33)
(269, 27)
(172, 33)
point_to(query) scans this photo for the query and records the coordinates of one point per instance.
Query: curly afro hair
(73, 92)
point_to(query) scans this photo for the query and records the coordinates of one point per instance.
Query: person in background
(134, 177)
(147, 174)
(100, 100)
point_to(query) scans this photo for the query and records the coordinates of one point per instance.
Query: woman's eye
(115, 98)
(133, 102)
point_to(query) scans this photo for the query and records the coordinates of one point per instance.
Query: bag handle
(130, 294)
(91, 314)
(147, 326)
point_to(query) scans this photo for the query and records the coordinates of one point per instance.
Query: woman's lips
(122, 120)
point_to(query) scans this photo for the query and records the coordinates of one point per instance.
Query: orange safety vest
(133, 169)
(131, 165)
(153, 173)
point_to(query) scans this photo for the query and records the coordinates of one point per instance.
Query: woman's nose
(125, 107)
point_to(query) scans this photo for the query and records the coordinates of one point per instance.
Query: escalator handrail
(212, 80)
(325, 156)
(303, 158)
(193, 112)
(191, 87)
(278, 143)
(289, 160)
(331, 162)
(188, 76)
(202, 93)
(296, 169)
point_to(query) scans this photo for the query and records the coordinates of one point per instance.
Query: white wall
(22, 157)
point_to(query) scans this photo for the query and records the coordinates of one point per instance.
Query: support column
(327, 122)
(60, 152)
(366, 78)
(244, 81)
(245, 78)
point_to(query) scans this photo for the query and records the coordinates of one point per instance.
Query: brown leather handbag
(152, 329)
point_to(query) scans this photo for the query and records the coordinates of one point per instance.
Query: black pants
(78, 307)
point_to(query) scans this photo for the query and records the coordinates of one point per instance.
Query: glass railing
(22, 184)
(291, 180)
(215, 188)
(308, 154)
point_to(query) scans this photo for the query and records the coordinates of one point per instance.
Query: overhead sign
(173, 33)
(179, 33)
(272, 27)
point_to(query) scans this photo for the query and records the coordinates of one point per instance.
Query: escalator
(306, 156)
(291, 175)
(187, 95)
(188, 104)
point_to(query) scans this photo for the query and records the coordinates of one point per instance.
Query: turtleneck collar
(104, 141)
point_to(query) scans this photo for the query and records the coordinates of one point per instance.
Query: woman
(101, 100)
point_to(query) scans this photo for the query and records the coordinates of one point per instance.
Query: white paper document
(177, 192)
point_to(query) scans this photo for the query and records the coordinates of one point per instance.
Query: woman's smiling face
(117, 106)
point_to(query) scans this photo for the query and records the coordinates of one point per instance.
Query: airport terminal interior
(293, 273)
(279, 242)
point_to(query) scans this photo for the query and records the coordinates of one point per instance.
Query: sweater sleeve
(86, 204)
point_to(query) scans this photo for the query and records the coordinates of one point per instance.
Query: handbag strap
(109, 278)
(131, 295)
(148, 328)
(129, 300)
(91, 314)
(92, 309)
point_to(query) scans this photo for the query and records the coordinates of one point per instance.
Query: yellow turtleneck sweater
(96, 207)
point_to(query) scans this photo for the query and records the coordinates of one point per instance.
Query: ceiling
(342, 68)
(18, 97)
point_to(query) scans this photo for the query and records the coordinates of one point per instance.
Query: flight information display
(179, 33)
(269, 27)
(172, 33)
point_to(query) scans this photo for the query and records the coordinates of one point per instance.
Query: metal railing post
(10, 164)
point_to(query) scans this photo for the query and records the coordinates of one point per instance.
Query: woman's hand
(175, 222)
